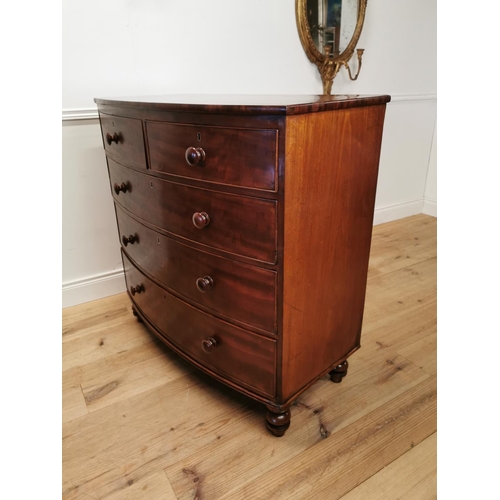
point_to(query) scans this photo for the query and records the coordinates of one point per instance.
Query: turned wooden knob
(209, 344)
(201, 219)
(131, 239)
(136, 289)
(204, 284)
(123, 187)
(195, 156)
(112, 138)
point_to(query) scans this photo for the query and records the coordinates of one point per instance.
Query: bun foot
(277, 422)
(339, 372)
(135, 313)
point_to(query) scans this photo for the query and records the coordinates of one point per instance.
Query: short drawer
(232, 352)
(123, 138)
(237, 224)
(238, 291)
(232, 156)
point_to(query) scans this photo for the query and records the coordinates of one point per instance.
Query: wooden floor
(139, 423)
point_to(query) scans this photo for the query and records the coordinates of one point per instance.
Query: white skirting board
(399, 211)
(98, 287)
(93, 288)
(430, 207)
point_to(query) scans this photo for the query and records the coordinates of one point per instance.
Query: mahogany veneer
(233, 156)
(245, 225)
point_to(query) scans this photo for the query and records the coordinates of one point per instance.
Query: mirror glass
(332, 24)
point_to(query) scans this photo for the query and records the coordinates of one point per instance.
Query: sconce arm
(360, 56)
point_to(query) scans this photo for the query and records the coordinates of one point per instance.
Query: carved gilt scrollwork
(329, 64)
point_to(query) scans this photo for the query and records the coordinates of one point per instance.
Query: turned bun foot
(277, 422)
(339, 372)
(136, 314)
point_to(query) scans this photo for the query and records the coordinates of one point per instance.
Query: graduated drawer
(238, 291)
(237, 224)
(232, 156)
(231, 352)
(123, 138)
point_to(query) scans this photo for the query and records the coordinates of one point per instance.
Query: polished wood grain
(123, 138)
(237, 224)
(147, 248)
(239, 292)
(317, 166)
(330, 181)
(166, 431)
(233, 156)
(245, 104)
(237, 354)
(261, 120)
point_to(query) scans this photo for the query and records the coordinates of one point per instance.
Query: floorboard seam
(401, 269)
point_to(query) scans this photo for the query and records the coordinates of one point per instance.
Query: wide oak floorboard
(140, 423)
(410, 477)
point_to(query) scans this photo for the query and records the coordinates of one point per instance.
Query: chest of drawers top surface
(245, 226)
(246, 104)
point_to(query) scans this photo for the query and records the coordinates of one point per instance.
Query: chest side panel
(331, 167)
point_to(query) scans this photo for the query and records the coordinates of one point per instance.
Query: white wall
(430, 195)
(133, 47)
(91, 261)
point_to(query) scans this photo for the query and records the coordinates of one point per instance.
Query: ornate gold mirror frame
(327, 64)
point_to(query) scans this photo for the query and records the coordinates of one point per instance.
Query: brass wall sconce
(329, 31)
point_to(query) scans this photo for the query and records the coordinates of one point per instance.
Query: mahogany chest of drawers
(245, 225)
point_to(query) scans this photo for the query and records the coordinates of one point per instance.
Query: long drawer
(237, 224)
(238, 291)
(233, 156)
(233, 353)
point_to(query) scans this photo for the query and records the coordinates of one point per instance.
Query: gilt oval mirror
(329, 31)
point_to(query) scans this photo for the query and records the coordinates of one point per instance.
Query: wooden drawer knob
(123, 187)
(201, 219)
(112, 138)
(136, 289)
(204, 284)
(131, 239)
(209, 344)
(195, 156)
